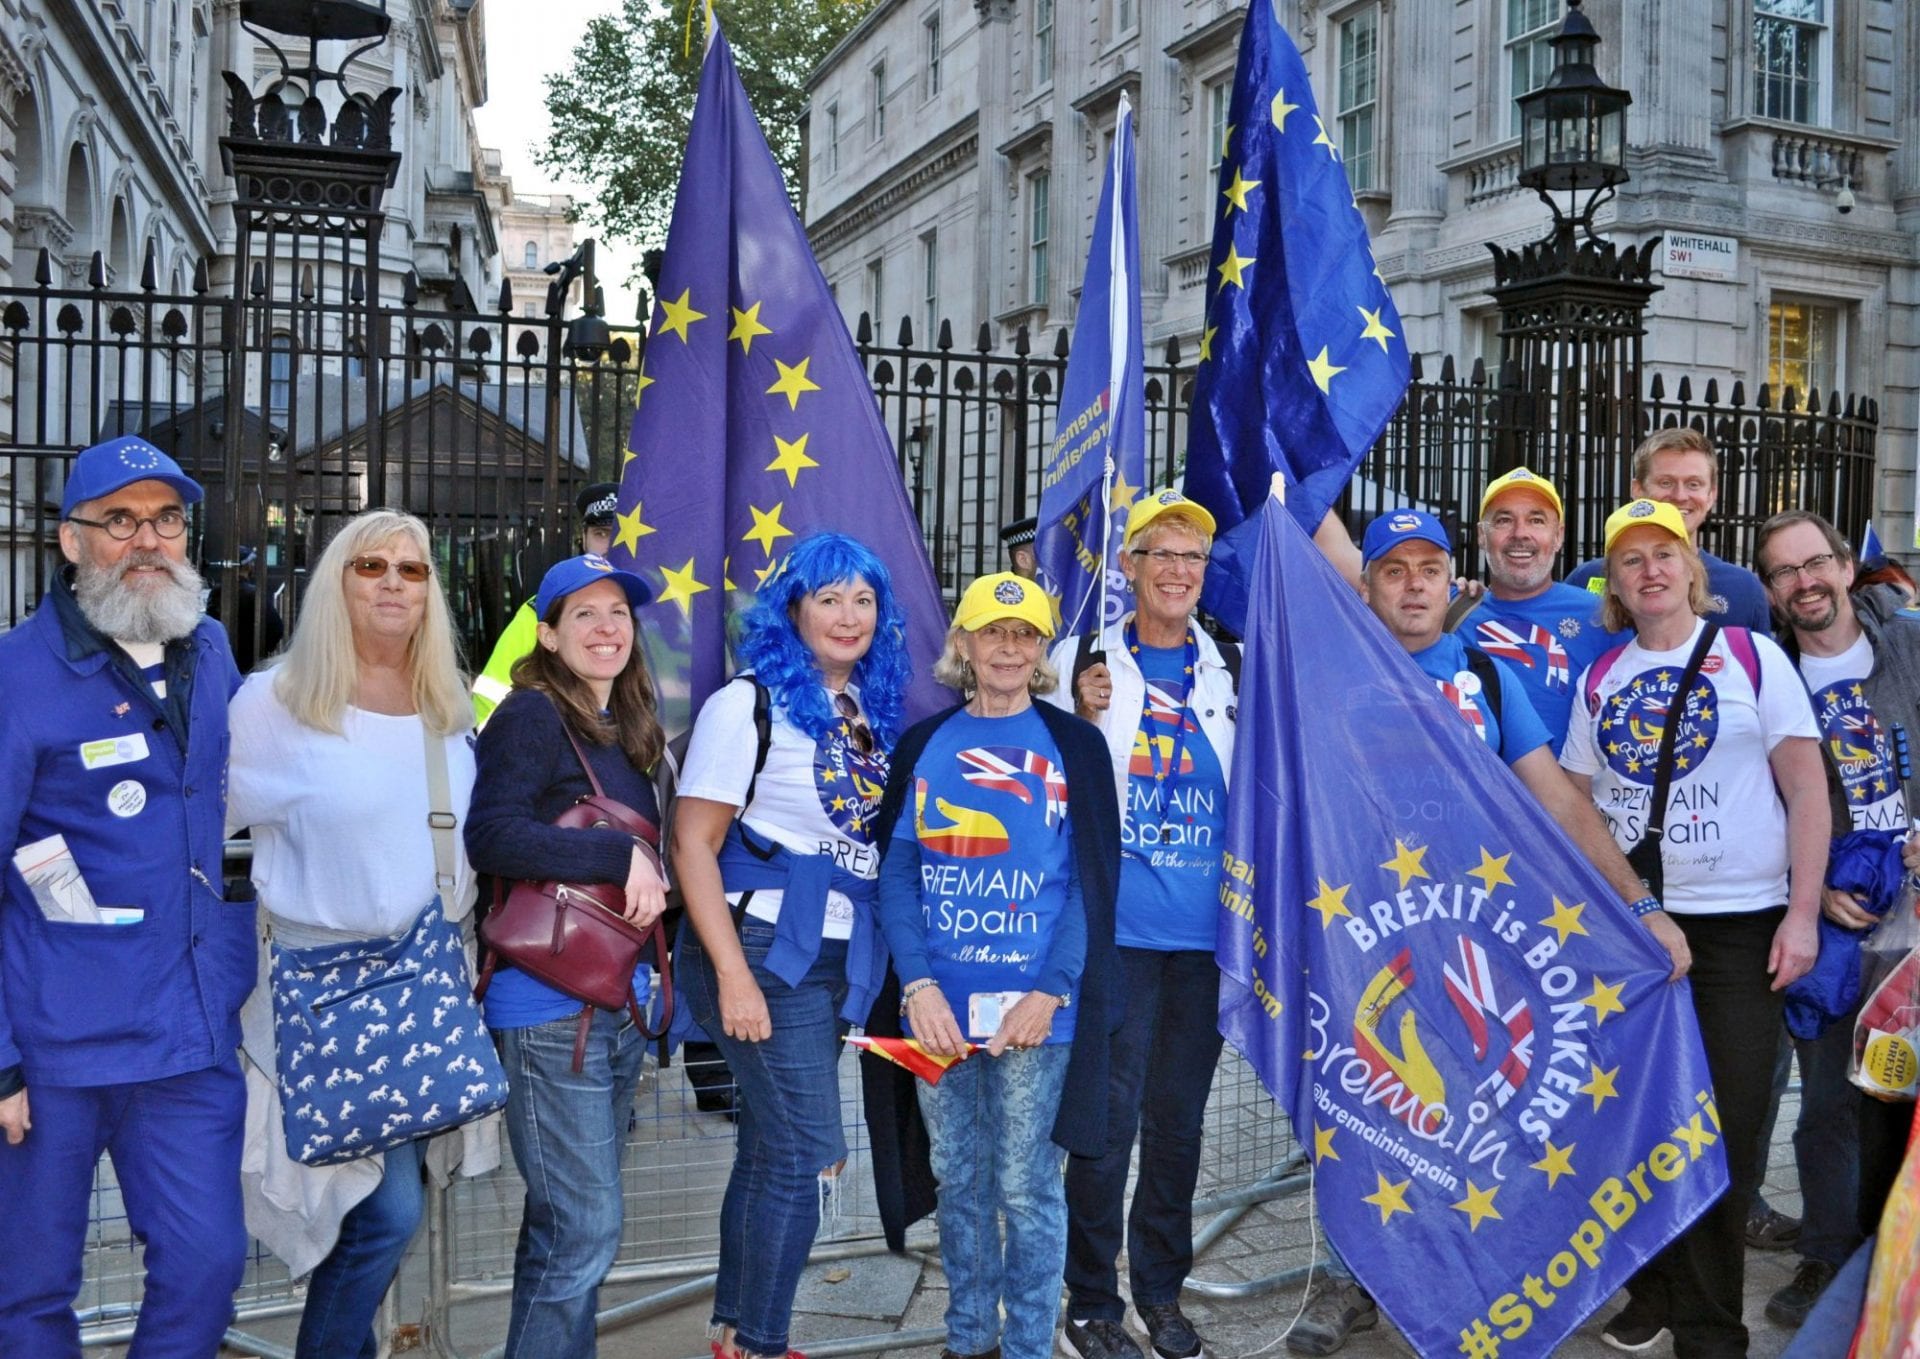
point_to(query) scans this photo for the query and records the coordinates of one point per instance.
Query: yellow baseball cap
(1150, 507)
(1655, 512)
(1004, 595)
(1521, 479)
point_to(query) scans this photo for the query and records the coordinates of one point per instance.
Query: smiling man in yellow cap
(1546, 631)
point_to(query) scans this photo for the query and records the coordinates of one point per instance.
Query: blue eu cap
(576, 573)
(1395, 527)
(118, 463)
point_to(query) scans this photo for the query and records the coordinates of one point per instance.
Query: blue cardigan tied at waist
(803, 881)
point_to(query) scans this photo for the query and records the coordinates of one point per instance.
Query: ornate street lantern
(1573, 129)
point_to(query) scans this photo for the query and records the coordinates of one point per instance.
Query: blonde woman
(330, 771)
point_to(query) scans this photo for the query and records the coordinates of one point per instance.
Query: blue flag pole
(1096, 464)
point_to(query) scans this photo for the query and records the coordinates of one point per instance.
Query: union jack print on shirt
(1497, 639)
(1464, 705)
(1002, 767)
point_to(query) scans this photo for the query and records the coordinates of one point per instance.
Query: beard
(161, 611)
(1814, 613)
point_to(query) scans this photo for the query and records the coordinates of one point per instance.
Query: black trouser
(1884, 1129)
(1698, 1281)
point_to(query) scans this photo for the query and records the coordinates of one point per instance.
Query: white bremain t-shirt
(1860, 748)
(812, 797)
(1725, 846)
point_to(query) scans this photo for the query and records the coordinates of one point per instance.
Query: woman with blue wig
(776, 861)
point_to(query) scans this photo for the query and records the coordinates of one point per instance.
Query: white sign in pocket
(127, 798)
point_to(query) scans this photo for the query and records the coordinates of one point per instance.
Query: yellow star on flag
(1226, 140)
(1323, 369)
(1236, 192)
(1233, 268)
(631, 530)
(1323, 1144)
(760, 573)
(1408, 863)
(746, 327)
(1478, 1205)
(676, 314)
(1333, 152)
(1124, 492)
(1601, 1088)
(1331, 902)
(1206, 342)
(1374, 329)
(726, 574)
(793, 457)
(1565, 920)
(681, 587)
(793, 381)
(1280, 109)
(1605, 1001)
(1557, 1162)
(1389, 1198)
(767, 528)
(1492, 870)
(627, 456)
(641, 384)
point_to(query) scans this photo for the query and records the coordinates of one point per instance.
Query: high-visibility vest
(495, 680)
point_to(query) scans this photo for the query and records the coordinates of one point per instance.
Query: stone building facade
(955, 149)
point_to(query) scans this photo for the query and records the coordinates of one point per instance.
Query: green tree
(620, 113)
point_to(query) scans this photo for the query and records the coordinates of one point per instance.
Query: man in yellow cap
(1163, 694)
(1547, 632)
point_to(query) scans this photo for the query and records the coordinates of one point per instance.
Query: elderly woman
(583, 692)
(997, 901)
(333, 754)
(773, 850)
(1163, 697)
(1743, 857)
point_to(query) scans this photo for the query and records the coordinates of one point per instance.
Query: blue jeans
(991, 1123)
(175, 1145)
(788, 1132)
(568, 1130)
(1161, 1067)
(344, 1292)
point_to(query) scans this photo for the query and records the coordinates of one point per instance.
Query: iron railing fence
(301, 402)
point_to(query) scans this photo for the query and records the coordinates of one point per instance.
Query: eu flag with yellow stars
(1504, 1099)
(755, 424)
(1302, 362)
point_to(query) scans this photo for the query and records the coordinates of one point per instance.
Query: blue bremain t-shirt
(990, 816)
(1547, 642)
(1513, 732)
(1170, 837)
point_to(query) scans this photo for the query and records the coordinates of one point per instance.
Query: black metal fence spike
(257, 280)
(43, 269)
(1478, 377)
(985, 341)
(1022, 342)
(863, 330)
(201, 283)
(1062, 342)
(1173, 351)
(1764, 397)
(150, 268)
(1713, 391)
(945, 341)
(906, 333)
(1419, 368)
(506, 297)
(306, 283)
(357, 286)
(1684, 393)
(1738, 397)
(1446, 369)
(97, 272)
(409, 289)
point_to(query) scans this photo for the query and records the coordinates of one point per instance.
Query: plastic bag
(1886, 1037)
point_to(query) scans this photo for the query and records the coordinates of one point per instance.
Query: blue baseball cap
(576, 573)
(118, 463)
(1395, 527)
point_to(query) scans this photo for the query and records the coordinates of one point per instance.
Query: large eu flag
(1506, 1102)
(1301, 357)
(1097, 462)
(755, 423)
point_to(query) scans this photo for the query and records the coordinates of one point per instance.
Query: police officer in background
(598, 508)
(122, 970)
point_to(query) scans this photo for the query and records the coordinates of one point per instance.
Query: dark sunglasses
(857, 729)
(373, 568)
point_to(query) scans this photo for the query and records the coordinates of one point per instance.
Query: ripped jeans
(788, 1135)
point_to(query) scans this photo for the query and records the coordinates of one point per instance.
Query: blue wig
(770, 644)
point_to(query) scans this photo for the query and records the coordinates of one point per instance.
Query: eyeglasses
(1161, 556)
(996, 633)
(853, 726)
(122, 527)
(1782, 576)
(374, 568)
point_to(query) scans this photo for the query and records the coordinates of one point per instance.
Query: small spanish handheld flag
(908, 1053)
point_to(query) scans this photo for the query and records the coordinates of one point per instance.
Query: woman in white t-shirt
(781, 948)
(330, 770)
(1743, 856)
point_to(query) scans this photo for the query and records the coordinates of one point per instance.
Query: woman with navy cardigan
(568, 1127)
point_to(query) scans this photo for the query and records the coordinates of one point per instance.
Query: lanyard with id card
(987, 1009)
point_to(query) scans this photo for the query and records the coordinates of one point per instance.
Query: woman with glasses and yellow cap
(1719, 720)
(1001, 839)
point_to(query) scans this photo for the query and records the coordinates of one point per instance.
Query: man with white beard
(122, 970)
(1545, 631)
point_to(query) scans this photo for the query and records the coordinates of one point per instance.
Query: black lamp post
(1573, 129)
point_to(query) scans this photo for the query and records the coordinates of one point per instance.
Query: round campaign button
(127, 798)
(1467, 683)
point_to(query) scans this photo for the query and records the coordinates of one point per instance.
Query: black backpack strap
(762, 733)
(1230, 657)
(1087, 655)
(1484, 670)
